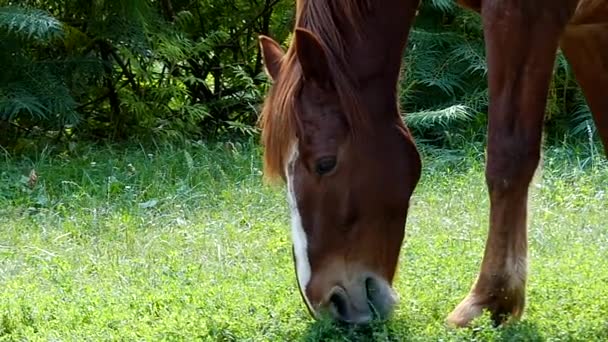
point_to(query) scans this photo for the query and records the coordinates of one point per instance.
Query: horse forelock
(279, 118)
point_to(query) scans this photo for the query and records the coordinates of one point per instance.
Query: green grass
(172, 243)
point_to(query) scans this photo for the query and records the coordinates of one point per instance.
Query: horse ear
(272, 54)
(312, 57)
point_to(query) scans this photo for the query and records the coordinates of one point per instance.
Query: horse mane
(330, 21)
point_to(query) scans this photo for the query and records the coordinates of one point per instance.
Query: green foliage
(444, 84)
(30, 24)
(113, 69)
(185, 243)
(568, 114)
(176, 70)
(438, 118)
(31, 89)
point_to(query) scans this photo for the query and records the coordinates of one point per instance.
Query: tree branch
(124, 68)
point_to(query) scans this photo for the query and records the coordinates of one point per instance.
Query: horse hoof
(465, 312)
(507, 307)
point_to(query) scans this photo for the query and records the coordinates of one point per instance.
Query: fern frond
(442, 5)
(16, 101)
(184, 19)
(582, 119)
(443, 117)
(38, 91)
(30, 23)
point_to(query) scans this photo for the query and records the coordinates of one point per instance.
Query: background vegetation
(174, 70)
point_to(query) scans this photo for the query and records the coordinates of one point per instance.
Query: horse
(333, 135)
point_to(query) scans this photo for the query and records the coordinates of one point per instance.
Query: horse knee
(511, 164)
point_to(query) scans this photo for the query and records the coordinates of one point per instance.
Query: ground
(168, 243)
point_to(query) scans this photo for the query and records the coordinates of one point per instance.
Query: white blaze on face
(298, 236)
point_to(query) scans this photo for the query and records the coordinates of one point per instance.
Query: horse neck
(384, 33)
(374, 50)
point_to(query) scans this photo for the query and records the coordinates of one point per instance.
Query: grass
(170, 243)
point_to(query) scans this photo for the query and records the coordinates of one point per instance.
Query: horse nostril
(380, 297)
(370, 288)
(338, 300)
(346, 310)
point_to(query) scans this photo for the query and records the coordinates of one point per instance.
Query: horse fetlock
(502, 302)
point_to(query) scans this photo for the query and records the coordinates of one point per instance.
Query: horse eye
(325, 165)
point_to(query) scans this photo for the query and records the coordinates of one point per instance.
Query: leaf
(189, 160)
(444, 5)
(442, 117)
(15, 102)
(149, 204)
(29, 23)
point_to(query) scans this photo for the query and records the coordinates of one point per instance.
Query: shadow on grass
(519, 331)
(327, 330)
(398, 329)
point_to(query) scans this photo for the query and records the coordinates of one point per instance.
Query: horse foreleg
(586, 48)
(521, 42)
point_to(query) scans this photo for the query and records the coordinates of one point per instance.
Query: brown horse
(332, 131)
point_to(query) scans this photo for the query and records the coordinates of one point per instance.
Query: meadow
(151, 243)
